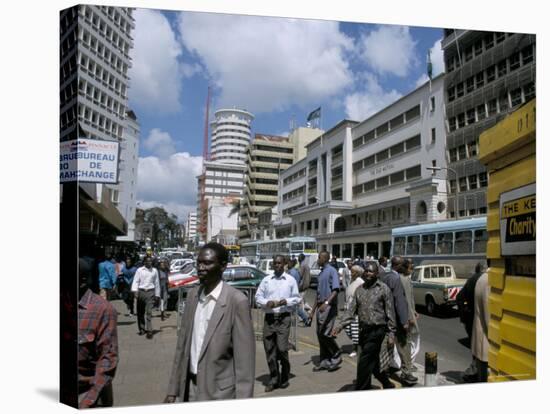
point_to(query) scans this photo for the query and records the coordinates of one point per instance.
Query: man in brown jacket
(215, 354)
(480, 341)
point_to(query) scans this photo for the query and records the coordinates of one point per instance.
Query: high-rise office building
(488, 75)
(230, 136)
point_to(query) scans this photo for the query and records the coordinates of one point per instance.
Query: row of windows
(265, 170)
(243, 124)
(395, 213)
(265, 192)
(287, 212)
(467, 53)
(100, 98)
(386, 127)
(113, 13)
(491, 73)
(101, 122)
(103, 52)
(470, 212)
(220, 130)
(393, 151)
(294, 193)
(220, 151)
(260, 147)
(506, 100)
(295, 176)
(387, 180)
(463, 152)
(458, 242)
(472, 182)
(108, 33)
(225, 157)
(101, 74)
(217, 146)
(273, 160)
(336, 194)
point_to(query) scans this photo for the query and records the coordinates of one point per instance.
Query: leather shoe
(149, 335)
(284, 385)
(269, 387)
(388, 384)
(408, 379)
(141, 332)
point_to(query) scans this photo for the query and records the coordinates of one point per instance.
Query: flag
(315, 114)
(429, 68)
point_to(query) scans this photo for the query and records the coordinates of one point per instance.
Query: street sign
(88, 160)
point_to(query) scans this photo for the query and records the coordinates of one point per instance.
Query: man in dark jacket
(465, 302)
(393, 280)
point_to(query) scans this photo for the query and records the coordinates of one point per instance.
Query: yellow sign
(518, 207)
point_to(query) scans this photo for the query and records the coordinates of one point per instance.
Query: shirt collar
(215, 294)
(281, 277)
(85, 300)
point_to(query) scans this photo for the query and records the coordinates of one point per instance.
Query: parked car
(435, 285)
(178, 264)
(266, 266)
(181, 279)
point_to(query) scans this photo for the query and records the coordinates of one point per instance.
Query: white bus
(255, 251)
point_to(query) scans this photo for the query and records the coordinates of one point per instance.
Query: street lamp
(434, 169)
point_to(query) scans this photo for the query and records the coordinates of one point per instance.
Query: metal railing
(256, 314)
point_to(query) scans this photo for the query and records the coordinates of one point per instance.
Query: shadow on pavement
(453, 376)
(347, 387)
(126, 323)
(265, 378)
(440, 313)
(464, 342)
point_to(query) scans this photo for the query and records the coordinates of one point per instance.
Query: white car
(266, 266)
(177, 264)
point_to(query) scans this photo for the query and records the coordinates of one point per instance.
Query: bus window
(310, 247)
(297, 246)
(434, 273)
(463, 242)
(428, 244)
(415, 275)
(399, 246)
(445, 243)
(413, 243)
(480, 241)
(448, 272)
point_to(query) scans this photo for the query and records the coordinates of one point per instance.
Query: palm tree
(235, 207)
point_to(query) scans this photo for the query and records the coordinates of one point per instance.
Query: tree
(235, 207)
(163, 225)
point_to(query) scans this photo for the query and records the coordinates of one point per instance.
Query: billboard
(88, 160)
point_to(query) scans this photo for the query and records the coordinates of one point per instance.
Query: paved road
(144, 366)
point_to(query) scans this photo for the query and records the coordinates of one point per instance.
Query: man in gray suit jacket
(215, 354)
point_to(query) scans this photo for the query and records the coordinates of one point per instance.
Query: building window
(432, 103)
(489, 40)
(434, 163)
(413, 172)
(452, 186)
(492, 107)
(413, 142)
(529, 91)
(433, 135)
(471, 116)
(382, 155)
(500, 36)
(490, 72)
(514, 61)
(470, 84)
(478, 47)
(483, 179)
(412, 113)
(397, 149)
(515, 96)
(397, 177)
(462, 152)
(453, 155)
(460, 90)
(451, 94)
(480, 80)
(502, 68)
(472, 149)
(503, 103)
(481, 114)
(462, 184)
(527, 54)
(382, 182)
(461, 118)
(472, 181)
(452, 124)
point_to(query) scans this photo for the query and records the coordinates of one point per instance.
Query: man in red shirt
(97, 345)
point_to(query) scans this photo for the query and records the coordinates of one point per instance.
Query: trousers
(145, 309)
(275, 335)
(370, 342)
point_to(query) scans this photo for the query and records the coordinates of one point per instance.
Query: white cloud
(265, 64)
(389, 50)
(169, 182)
(156, 74)
(372, 98)
(438, 63)
(159, 143)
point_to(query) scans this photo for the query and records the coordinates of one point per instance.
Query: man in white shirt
(146, 284)
(277, 295)
(216, 350)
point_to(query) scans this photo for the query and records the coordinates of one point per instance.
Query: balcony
(337, 159)
(312, 191)
(337, 181)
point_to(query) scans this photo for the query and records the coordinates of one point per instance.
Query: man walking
(277, 295)
(373, 303)
(97, 345)
(305, 281)
(107, 277)
(146, 284)
(480, 327)
(393, 280)
(352, 329)
(215, 354)
(414, 332)
(127, 294)
(326, 310)
(295, 273)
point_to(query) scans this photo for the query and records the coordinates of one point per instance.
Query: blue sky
(276, 68)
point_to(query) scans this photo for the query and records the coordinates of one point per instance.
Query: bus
(461, 243)
(254, 251)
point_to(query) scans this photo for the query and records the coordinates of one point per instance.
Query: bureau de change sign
(518, 230)
(88, 160)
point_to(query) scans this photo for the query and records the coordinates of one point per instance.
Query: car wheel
(430, 305)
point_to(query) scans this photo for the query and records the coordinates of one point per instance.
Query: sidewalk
(145, 364)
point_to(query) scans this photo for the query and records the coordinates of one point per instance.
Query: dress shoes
(270, 387)
(284, 385)
(149, 335)
(141, 332)
(408, 379)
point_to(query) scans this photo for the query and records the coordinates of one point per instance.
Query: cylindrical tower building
(230, 136)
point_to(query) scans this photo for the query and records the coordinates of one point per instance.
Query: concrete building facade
(488, 75)
(191, 227)
(124, 193)
(360, 179)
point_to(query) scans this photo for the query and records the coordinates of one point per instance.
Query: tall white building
(124, 193)
(230, 136)
(191, 227)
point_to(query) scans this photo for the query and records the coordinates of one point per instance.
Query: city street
(145, 365)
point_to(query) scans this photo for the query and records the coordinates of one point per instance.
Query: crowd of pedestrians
(215, 353)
